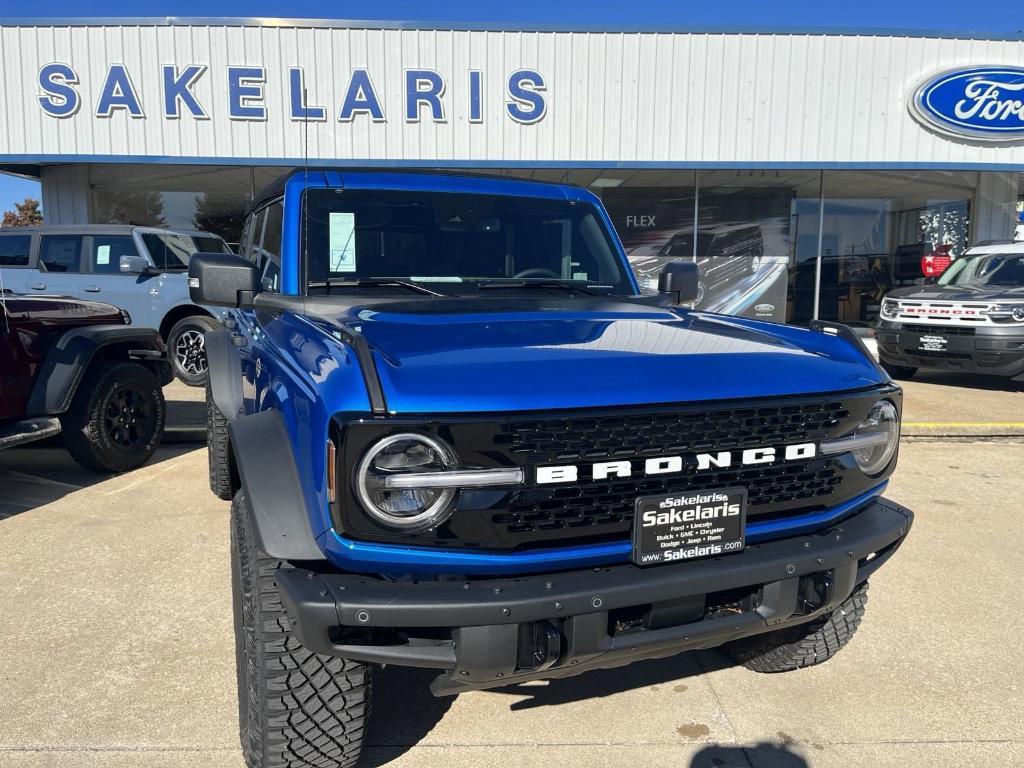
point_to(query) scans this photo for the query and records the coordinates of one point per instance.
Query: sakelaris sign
(984, 103)
(426, 94)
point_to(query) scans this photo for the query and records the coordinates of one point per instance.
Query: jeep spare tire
(116, 418)
(186, 348)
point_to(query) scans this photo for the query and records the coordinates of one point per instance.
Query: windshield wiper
(563, 284)
(373, 282)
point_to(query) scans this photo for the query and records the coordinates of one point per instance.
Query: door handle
(38, 287)
(91, 289)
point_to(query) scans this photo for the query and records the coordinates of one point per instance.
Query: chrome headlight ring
(875, 440)
(409, 480)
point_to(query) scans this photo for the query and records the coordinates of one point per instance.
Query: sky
(982, 16)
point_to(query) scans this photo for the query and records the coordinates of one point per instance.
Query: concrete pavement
(118, 650)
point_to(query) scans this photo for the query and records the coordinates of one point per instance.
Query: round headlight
(890, 309)
(1018, 314)
(883, 421)
(405, 508)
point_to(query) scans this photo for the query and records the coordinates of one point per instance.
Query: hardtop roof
(318, 176)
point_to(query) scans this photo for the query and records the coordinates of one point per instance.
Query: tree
(223, 214)
(142, 208)
(25, 214)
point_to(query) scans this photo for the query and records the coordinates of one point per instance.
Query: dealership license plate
(676, 527)
(932, 343)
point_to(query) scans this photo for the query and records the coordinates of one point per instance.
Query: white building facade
(846, 149)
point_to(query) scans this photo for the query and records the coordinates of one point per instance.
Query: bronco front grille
(648, 434)
(940, 330)
(536, 516)
(596, 506)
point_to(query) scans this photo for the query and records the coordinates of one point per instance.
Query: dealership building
(837, 160)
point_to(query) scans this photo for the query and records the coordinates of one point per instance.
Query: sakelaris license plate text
(690, 525)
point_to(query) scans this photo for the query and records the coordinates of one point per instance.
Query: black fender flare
(224, 372)
(70, 355)
(270, 481)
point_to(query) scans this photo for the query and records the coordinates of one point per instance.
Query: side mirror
(222, 280)
(681, 279)
(134, 265)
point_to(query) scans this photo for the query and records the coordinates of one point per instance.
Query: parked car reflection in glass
(725, 253)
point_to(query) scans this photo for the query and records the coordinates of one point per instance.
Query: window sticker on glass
(342, 245)
(102, 254)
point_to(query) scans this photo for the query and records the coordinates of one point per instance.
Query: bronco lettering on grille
(661, 465)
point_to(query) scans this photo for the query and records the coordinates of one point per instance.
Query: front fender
(270, 480)
(70, 356)
(224, 366)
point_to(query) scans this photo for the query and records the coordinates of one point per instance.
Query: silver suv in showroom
(142, 270)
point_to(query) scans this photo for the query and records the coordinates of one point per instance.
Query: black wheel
(899, 371)
(295, 708)
(186, 348)
(805, 644)
(217, 449)
(116, 418)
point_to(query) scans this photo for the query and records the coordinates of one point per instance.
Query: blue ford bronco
(456, 436)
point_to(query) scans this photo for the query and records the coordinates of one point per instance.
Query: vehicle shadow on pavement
(404, 712)
(967, 381)
(43, 473)
(765, 755)
(607, 682)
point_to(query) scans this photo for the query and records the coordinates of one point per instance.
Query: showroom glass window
(877, 228)
(206, 198)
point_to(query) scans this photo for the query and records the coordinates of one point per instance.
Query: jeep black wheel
(805, 644)
(116, 418)
(899, 371)
(186, 348)
(295, 708)
(217, 449)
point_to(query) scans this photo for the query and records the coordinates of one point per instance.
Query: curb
(984, 429)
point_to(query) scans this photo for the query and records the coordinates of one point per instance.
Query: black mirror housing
(680, 278)
(222, 280)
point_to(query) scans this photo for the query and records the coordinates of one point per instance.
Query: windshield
(455, 242)
(992, 269)
(171, 250)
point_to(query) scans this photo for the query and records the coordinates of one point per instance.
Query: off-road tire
(217, 449)
(296, 709)
(805, 644)
(899, 371)
(87, 423)
(189, 327)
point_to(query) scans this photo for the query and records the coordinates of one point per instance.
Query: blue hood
(455, 357)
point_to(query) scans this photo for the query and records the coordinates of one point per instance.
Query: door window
(14, 250)
(60, 253)
(107, 250)
(254, 235)
(268, 256)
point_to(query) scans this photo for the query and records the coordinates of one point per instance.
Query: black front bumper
(491, 632)
(993, 350)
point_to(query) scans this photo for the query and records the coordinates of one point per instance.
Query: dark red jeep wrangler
(81, 368)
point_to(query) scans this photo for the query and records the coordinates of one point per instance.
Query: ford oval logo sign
(979, 102)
